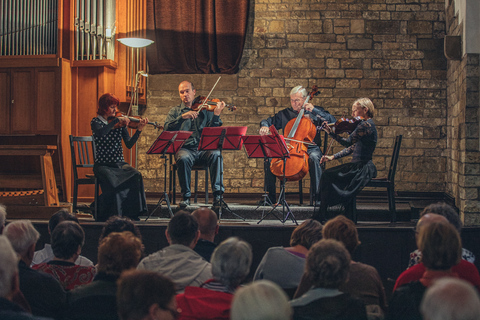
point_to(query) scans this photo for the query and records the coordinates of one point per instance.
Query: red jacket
(200, 303)
(465, 270)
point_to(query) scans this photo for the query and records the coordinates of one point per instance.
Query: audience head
(231, 262)
(306, 234)
(3, 217)
(183, 229)
(328, 264)
(145, 295)
(67, 240)
(207, 222)
(23, 236)
(440, 245)
(342, 229)
(260, 300)
(119, 251)
(119, 224)
(8, 269)
(59, 216)
(445, 210)
(450, 299)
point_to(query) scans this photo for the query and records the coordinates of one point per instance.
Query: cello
(299, 133)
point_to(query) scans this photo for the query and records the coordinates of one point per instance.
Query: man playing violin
(123, 193)
(183, 118)
(340, 184)
(317, 114)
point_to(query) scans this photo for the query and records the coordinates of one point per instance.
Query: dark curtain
(196, 36)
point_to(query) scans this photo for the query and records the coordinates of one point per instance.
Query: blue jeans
(186, 158)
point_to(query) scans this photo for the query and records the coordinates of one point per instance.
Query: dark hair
(440, 245)
(445, 210)
(106, 101)
(119, 224)
(66, 238)
(138, 290)
(59, 216)
(306, 234)
(182, 228)
(119, 251)
(342, 229)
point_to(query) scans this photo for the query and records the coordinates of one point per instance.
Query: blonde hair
(366, 103)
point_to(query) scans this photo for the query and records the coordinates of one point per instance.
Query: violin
(346, 125)
(134, 121)
(200, 103)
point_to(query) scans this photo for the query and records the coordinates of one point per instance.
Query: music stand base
(165, 199)
(222, 205)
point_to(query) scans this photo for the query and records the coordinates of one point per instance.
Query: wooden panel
(5, 101)
(47, 102)
(23, 107)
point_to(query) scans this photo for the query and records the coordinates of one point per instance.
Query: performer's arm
(325, 115)
(174, 120)
(130, 141)
(275, 120)
(100, 130)
(360, 131)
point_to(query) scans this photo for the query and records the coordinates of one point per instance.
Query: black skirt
(123, 193)
(341, 183)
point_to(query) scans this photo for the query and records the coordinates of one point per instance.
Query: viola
(134, 121)
(200, 104)
(299, 132)
(346, 125)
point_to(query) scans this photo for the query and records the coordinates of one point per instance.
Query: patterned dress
(123, 193)
(68, 274)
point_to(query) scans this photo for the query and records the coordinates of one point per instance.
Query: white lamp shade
(135, 42)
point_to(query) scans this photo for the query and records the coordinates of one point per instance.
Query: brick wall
(388, 50)
(462, 152)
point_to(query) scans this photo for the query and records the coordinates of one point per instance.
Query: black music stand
(222, 138)
(283, 153)
(167, 142)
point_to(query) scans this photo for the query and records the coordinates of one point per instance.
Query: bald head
(207, 223)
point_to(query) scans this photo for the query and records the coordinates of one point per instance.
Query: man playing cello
(317, 114)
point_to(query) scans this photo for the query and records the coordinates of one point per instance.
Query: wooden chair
(387, 182)
(83, 156)
(196, 168)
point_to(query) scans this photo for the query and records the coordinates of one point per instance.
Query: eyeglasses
(174, 312)
(296, 100)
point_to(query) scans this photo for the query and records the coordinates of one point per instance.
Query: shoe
(217, 202)
(184, 203)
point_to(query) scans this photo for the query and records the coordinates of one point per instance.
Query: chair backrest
(394, 160)
(83, 152)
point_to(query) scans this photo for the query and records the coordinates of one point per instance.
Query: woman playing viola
(342, 183)
(123, 193)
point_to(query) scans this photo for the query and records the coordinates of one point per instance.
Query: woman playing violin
(123, 193)
(341, 183)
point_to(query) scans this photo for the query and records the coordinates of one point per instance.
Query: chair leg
(95, 199)
(354, 209)
(75, 195)
(174, 185)
(206, 185)
(300, 191)
(196, 186)
(391, 204)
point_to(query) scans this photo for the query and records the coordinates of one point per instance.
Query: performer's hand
(190, 115)
(142, 124)
(309, 107)
(124, 121)
(326, 159)
(326, 127)
(264, 131)
(218, 110)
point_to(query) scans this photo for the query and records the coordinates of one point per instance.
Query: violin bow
(209, 94)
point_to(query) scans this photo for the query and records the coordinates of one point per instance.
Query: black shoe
(217, 202)
(184, 203)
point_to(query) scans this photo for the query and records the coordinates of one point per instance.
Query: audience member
(67, 240)
(465, 270)
(451, 215)
(208, 226)
(327, 267)
(119, 224)
(363, 282)
(119, 251)
(441, 249)
(9, 284)
(178, 261)
(261, 300)
(231, 263)
(43, 293)
(46, 254)
(146, 295)
(285, 266)
(3, 217)
(450, 299)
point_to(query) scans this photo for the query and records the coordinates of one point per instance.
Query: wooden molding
(95, 63)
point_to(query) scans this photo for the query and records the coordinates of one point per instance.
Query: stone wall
(463, 156)
(388, 50)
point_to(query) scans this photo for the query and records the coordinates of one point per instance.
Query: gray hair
(300, 89)
(8, 267)
(22, 234)
(450, 298)
(261, 300)
(3, 217)
(231, 261)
